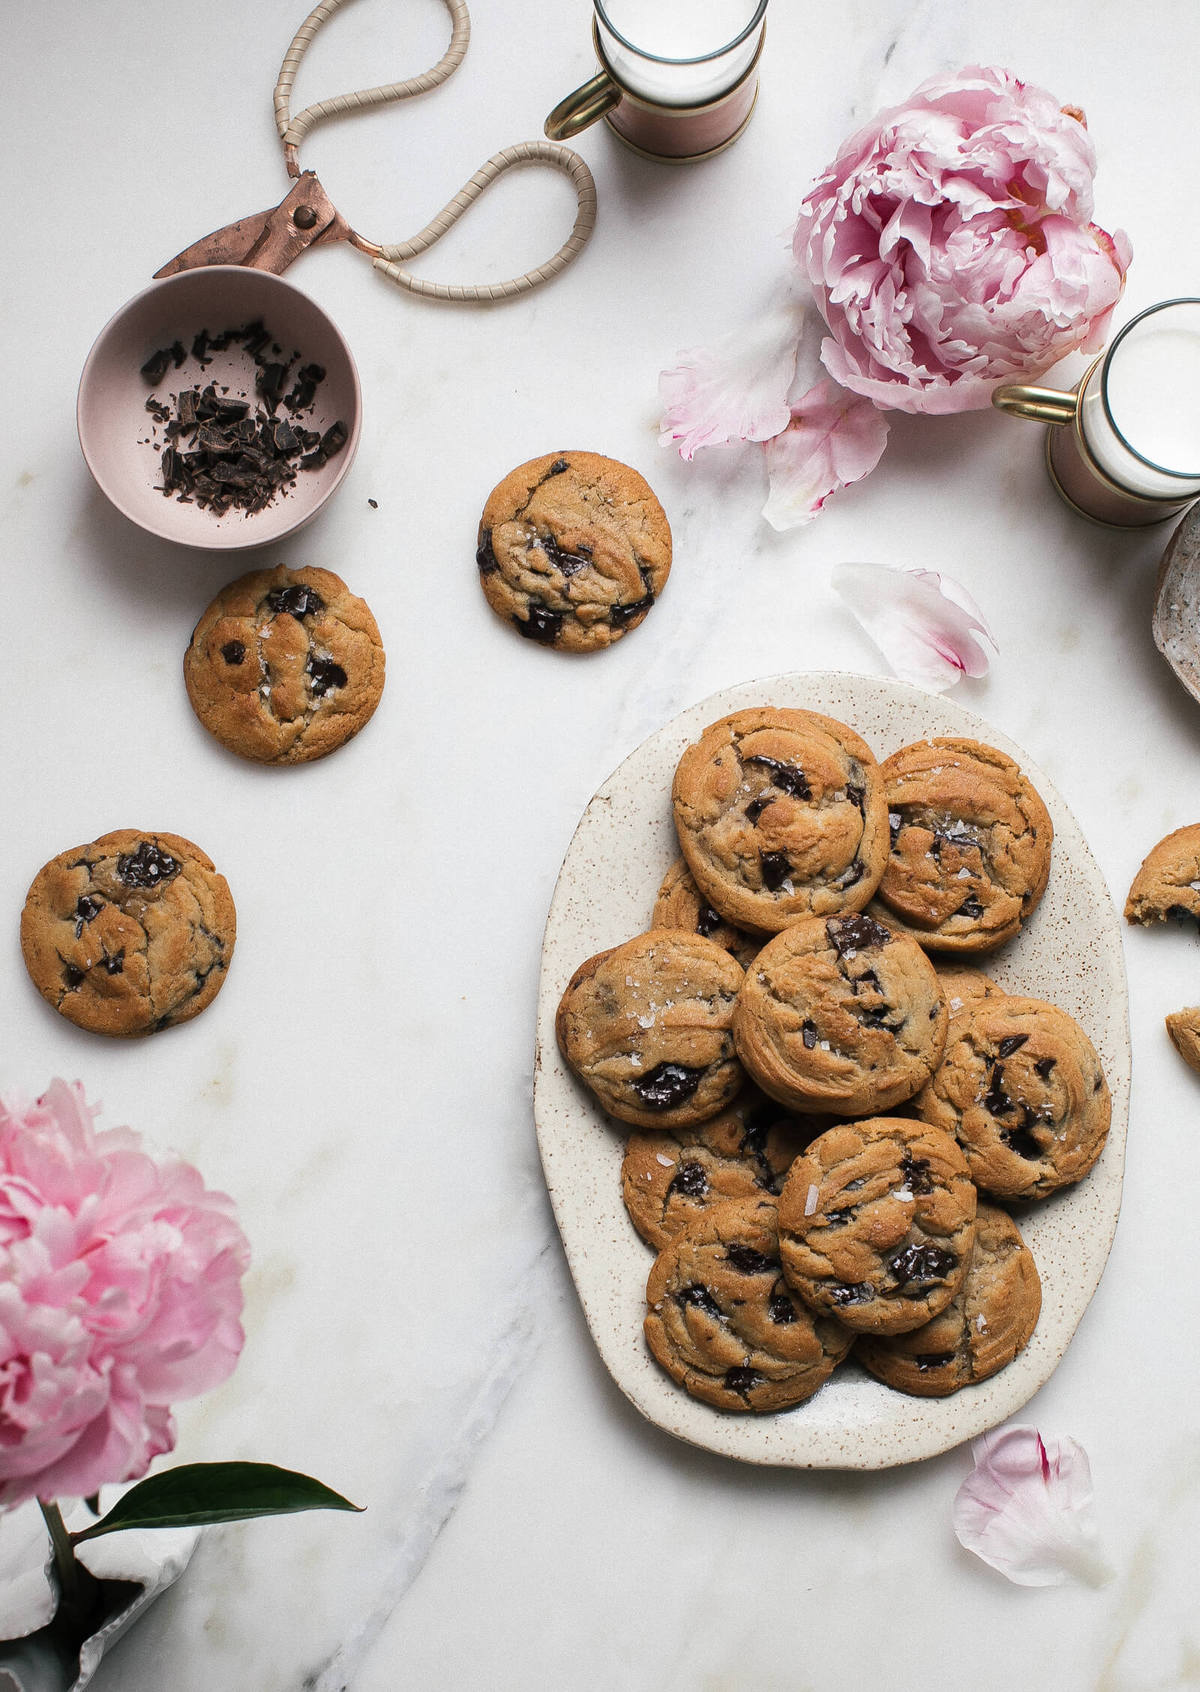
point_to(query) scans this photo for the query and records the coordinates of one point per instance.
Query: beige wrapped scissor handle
(270, 240)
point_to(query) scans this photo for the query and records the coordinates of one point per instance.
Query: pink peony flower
(120, 1291)
(951, 248)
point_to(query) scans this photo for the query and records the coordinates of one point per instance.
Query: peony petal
(736, 390)
(1027, 1509)
(926, 625)
(834, 438)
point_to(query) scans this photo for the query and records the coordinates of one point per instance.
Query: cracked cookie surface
(841, 1015)
(987, 1322)
(668, 1179)
(285, 665)
(130, 934)
(970, 845)
(722, 1321)
(781, 815)
(876, 1223)
(1022, 1089)
(647, 1027)
(1168, 883)
(573, 550)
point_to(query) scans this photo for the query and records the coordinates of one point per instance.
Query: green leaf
(198, 1493)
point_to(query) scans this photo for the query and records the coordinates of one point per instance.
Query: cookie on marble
(722, 1321)
(963, 986)
(680, 904)
(1022, 1089)
(573, 550)
(285, 665)
(780, 815)
(840, 1015)
(1184, 1028)
(970, 845)
(667, 1179)
(988, 1321)
(1168, 883)
(646, 1026)
(129, 934)
(876, 1223)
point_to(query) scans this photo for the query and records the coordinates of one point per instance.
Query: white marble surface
(362, 1084)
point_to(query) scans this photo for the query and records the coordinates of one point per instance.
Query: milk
(1151, 381)
(677, 30)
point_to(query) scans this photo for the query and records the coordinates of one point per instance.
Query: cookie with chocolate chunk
(573, 550)
(722, 1321)
(680, 904)
(876, 1223)
(667, 1179)
(646, 1026)
(130, 934)
(970, 845)
(842, 1015)
(781, 815)
(1168, 883)
(987, 1322)
(285, 665)
(1022, 1089)
(963, 986)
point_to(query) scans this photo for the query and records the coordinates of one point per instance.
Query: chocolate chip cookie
(1184, 1028)
(573, 550)
(987, 1322)
(970, 845)
(876, 1223)
(781, 815)
(745, 1152)
(647, 1027)
(1021, 1088)
(841, 1015)
(963, 986)
(285, 665)
(722, 1321)
(680, 904)
(1168, 883)
(129, 934)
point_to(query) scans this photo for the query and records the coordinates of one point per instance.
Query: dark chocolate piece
(776, 868)
(691, 1180)
(666, 1085)
(855, 933)
(149, 866)
(788, 778)
(543, 624)
(747, 1261)
(921, 1263)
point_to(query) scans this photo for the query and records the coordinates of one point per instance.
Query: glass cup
(1123, 447)
(678, 78)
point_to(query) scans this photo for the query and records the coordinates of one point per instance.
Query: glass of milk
(1124, 446)
(677, 78)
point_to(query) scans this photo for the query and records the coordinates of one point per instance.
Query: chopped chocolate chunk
(921, 1263)
(916, 1173)
(996, 1100)
(852, 1292)
(620, 616)
(666, 1085)
(325, 675)
(542, 624)
(86, 908)
(72, 976)
(156, 366)
(776, 868)
(741, 1379)
(114, 962)
(934, 1360)
(856, 795)
(297, 600)
(484, 556)
(334, 439)
(1022, 1142)
(781, 1309)
(701, 1298)
(756, 807)
(808, 1033)
(970, 907)
(855, 933)
(233, 652)
(747, 1261)
(568, 564)
(1011, 1043)
(149, 866)
(691, 1180)
(557, 468)
(1043, 1066)
(707, 920)
(788, 778)
(850, 876)
(839, 1218)
(374, 504)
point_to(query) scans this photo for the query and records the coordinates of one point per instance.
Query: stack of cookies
(830, 1104)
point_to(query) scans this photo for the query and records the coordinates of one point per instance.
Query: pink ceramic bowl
(123, 444)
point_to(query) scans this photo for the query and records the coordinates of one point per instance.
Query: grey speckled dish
(1070, 953)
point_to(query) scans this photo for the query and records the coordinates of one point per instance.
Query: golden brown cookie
(129, 934)
(667, 1179)
(646, 1027)
(781, 815)
(1021, 1088)
(841, 1015)
(963, 986)
(680, 904)
(1184, 1028)
(970, 845)
(573, 550)
(876, 1223)
(1168, 883)
(987, 1322)
(285, 665)
(722, 1322)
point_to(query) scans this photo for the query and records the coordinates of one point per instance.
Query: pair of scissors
(306, 217)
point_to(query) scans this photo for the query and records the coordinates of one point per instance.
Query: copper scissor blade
(268, 240)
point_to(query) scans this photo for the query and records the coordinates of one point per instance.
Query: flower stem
(65, 1566)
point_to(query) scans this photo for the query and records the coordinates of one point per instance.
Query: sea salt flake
(810, 1202)
(667, 1162)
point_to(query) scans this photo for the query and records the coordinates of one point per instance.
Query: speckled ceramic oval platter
(1070, 953)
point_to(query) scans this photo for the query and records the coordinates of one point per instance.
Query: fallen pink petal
(1026, 1510)
(833, 438)
(926, 624)
(734, 391)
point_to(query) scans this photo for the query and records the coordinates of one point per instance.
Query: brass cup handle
(583, 107)
(1039, 405)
